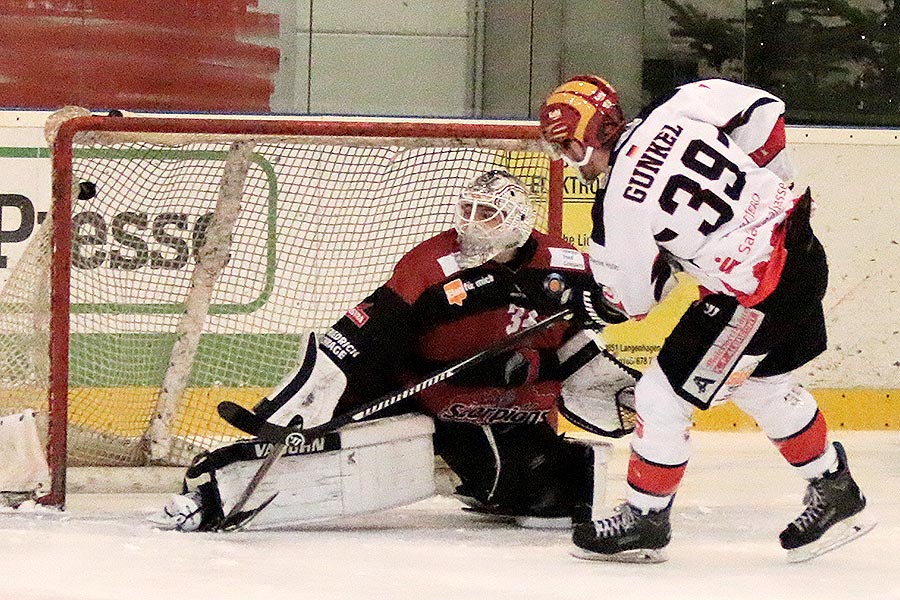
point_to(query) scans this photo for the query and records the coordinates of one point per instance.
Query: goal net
(186, 260)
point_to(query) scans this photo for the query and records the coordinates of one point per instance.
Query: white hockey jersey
(688, 190)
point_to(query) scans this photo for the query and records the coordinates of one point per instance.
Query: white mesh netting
(319, 226)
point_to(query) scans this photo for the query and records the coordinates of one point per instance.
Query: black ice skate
(833, 503)
(627, 536)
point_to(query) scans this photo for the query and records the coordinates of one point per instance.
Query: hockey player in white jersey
(700, 182)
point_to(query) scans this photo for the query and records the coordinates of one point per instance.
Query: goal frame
(335, 128)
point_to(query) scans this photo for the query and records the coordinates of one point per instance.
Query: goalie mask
(581, 115)
(493, 214)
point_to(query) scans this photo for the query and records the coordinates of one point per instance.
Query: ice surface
(736, 496)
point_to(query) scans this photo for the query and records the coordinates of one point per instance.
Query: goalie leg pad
(24, 473)
(526, 472)
(359, 469)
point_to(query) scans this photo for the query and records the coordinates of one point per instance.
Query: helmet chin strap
(577, 164)
(587, 157)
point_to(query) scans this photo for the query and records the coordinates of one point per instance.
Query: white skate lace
(616, 524)
(814, 510)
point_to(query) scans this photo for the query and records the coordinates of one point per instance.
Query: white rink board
(856, 184)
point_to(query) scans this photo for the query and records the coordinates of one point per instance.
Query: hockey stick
(282, 437)
(247, 421)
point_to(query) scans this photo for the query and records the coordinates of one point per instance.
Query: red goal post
(187, 257)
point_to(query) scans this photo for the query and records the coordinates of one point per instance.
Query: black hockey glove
(591, 310)
(511, 369)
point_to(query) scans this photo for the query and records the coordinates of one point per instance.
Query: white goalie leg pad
(24, 473)
(375, 465)
(593, 484)
(311, 391)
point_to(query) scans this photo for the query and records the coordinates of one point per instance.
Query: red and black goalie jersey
(431, 313)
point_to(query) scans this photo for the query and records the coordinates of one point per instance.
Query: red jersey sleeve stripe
(772, 146)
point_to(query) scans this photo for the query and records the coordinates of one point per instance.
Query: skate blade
(638, 556)
(523, 521)
(544, 522)
(840, 533)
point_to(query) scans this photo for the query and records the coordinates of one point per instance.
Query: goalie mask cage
(186, 260)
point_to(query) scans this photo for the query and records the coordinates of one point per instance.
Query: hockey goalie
(494, 425)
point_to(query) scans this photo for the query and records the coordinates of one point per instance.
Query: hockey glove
(511, 369)
(591, 309)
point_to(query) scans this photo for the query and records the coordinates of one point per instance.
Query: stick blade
(239, 520)
(239, 417)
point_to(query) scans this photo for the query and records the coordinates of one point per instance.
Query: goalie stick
(248, 422)
(283, 437)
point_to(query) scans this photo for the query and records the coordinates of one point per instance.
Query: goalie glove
(598, 393)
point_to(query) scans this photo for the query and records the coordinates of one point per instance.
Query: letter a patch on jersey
(720, 359)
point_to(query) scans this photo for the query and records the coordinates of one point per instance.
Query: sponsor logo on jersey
(489, 415)
(566, 258)
(455, 292)
(358, 314)
(555, 285)
(648, 165)
(751, 212)
(458, 290)
(480, 282)
(339, 346)
(727, 264)
(449, 264)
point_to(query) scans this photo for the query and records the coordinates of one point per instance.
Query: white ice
(736, 496)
